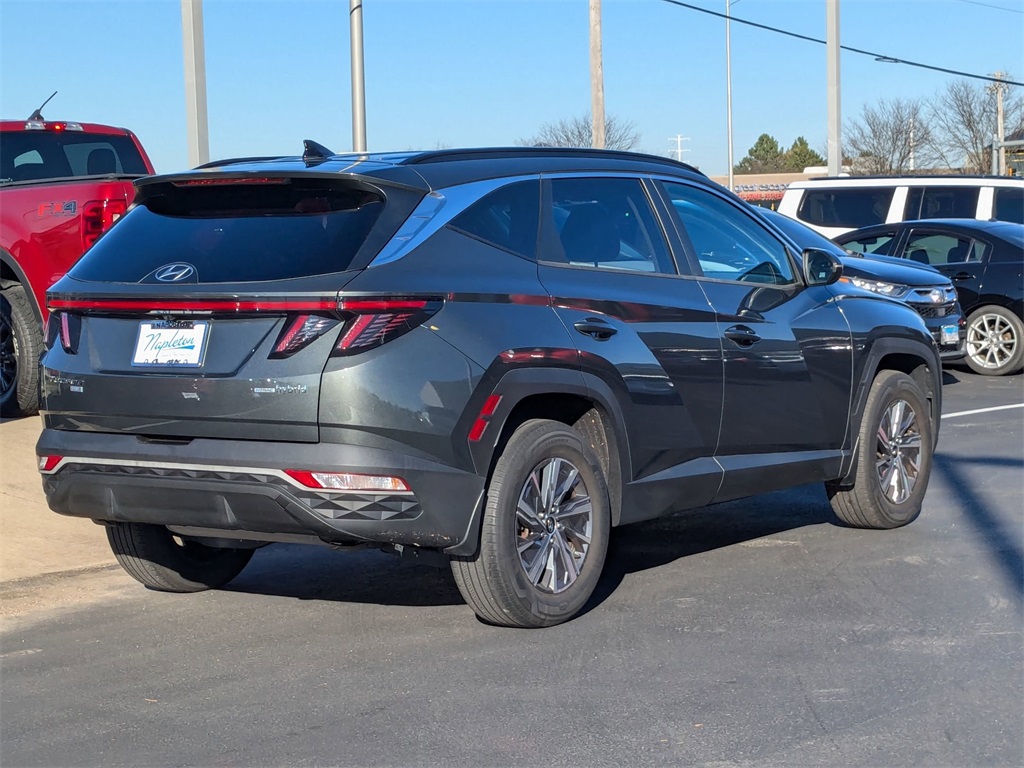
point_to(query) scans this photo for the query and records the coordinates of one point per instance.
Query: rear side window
(237, 233)
(1009, 205)
(507, 218)
(941, 203)
(38, 155)
(606, 224)
(851, 207)
(938, 249)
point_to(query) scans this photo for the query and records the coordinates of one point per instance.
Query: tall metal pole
(835, 150)
(728, 89)
(1000, 128)
(597, 138)
(195, 82)
(355, 20)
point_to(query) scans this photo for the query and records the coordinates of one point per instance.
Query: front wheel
(995, 341)
(545, 530)
(894, 456)
(153, 556)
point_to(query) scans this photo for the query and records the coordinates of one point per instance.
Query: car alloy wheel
(991, 340)
(898, 451)
(554, 523)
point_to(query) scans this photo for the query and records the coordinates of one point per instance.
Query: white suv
(836, 205)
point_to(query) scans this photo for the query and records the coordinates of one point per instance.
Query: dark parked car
(985, 261)
(496, 355)
(924, 288)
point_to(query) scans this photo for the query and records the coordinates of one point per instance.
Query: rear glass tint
(38, 155)
(237, 233)
(1009, 205)
(851, 207)
(941, 203)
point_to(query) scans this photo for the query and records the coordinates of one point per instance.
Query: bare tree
(893, 136)
(577, 132)
(964, 118)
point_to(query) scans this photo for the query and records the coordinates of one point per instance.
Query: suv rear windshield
(39, 155)
(235, 233)
(850, 207)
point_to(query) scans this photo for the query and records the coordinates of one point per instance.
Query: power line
(880, 56)
(989, 5)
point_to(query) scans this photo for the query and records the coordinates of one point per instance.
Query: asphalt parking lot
(756, 632)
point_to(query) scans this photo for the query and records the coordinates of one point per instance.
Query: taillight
(376, 321)
(63, 326)
(49, 463)
(300, 332)
(98, 216)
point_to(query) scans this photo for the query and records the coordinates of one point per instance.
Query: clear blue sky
(482, 72)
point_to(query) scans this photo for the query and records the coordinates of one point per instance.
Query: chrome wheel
(991, 341)
(8, 355)
(898, 451)
(554, 524)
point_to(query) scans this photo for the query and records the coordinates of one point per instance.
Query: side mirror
(821, 267)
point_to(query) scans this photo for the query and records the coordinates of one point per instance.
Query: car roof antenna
(38, 114)
(313, 153)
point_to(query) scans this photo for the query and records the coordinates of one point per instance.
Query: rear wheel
(995, 341)
(894, 457)
(545, 530)
(154, 556)
(21, 343)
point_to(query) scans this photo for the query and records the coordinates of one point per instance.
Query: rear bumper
(240, 486)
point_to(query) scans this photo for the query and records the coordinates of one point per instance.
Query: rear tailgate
(211, 310)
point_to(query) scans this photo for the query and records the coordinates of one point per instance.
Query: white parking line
(982, 410)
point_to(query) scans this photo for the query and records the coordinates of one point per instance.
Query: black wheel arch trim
(880, 349)
(8, 261)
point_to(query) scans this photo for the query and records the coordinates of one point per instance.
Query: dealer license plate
(171, 343)
(950, 334)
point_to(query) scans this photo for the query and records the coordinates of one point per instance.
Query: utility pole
(193, 47)
(1000, 89)
(597, 137)
(835, 148)
(355, 22)
(679, 139)
(911, 143)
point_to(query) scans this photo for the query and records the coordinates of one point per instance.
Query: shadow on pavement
(998, 536)
(314, 573)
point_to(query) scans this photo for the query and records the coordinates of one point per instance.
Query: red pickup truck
(62, 185)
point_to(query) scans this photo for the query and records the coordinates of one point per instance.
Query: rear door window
(852, 207)
(941, 248)
(605, 224)
(1009, 205)
(237, 233)
(941, 203)
(38, 155)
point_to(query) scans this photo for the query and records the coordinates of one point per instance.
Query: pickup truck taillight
(98, 216)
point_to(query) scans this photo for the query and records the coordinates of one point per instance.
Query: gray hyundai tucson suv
(492, 354)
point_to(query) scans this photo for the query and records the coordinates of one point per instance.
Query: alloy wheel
(991, 341)
(898, 451)
(554, 523)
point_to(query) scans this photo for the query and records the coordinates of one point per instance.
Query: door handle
(598, 329)
(742, 335)
(962, 276)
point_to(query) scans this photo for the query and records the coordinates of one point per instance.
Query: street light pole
(597, 139)
(728, 88)
(835, 152)
(193, 47)
(355, 21)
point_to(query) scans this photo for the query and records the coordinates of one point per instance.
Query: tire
(152, 555)
(21, 344)
(538, 586)
(995, 341)
(873, 502)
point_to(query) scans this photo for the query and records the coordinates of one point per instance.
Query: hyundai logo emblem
(174, 273)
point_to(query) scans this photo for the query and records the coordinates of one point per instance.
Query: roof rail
(497, 153)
